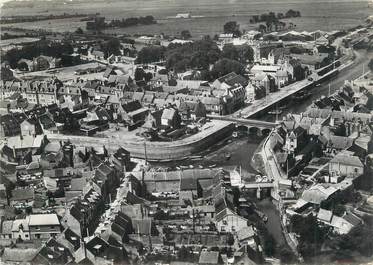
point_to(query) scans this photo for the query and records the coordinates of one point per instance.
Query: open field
(316, 14)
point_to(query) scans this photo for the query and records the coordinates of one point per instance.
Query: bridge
(254, 126)
(258, 187)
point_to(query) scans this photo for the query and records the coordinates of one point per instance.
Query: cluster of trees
(132, 21)
(271, 16)
(200, 55)
(232, 27)
(110, 47)
(31, 51)
(272, 20)
(311, 234)
(140, 74)
(150, 54)
(359, 239)
(196, 55)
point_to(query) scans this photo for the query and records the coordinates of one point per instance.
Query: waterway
(243, 149)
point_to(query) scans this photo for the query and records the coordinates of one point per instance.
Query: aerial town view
(176, 132)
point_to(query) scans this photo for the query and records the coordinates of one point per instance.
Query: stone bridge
(253, 126)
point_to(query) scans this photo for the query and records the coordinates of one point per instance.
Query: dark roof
(72, 237)
(188, 184)
(132, 106)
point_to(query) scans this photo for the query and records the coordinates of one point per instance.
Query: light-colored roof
(245, 233)
(209, 257)
(23, 222)
(7, 227)
(27, 141)
(23, 255)
(325, 215)
(318, 193)
(353, 161)
(44, 219)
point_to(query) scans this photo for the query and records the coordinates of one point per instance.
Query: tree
(79, 31)
(339, 210)
(183, 254)
(226, 66)
(185, 34)
(229, 52)
(233, 28)
(139, 74)
(245, 53)
(286, 255)
(262, 28)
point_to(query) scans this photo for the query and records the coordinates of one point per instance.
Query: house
(319, 193)
(229, 80)
(153, 120)
(42, 63)
(312, 62)
(348, 166)
(226, 218)
(20, 228)
(341, 225)
(83, 214)
(107, 179)
(133, 112)
(28, 128)
(44, 225)
(13, 255)
(121, 159)
(22, 198)
(171, 118)
(295, 140)
(24, 144)
(246, 235)
(6, 229)
(100, 251)
(53, 252)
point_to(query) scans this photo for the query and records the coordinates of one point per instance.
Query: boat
(227, 156)
(302, 96)
(212, 166)
(275, 112)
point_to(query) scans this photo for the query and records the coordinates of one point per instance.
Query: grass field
(316, 14)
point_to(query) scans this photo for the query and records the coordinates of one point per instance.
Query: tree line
(99, 23)
(42, 47)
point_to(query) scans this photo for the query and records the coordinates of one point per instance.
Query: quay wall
(156, 151)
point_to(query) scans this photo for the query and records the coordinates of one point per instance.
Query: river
(243, 149)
